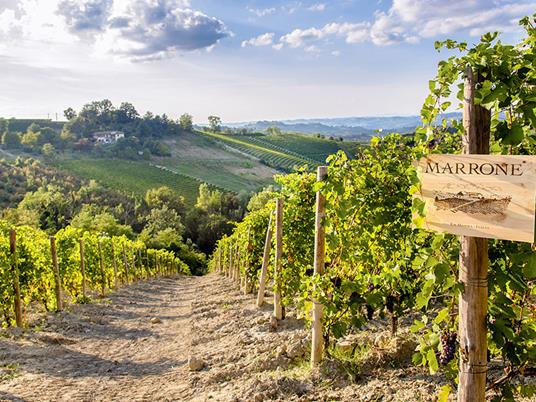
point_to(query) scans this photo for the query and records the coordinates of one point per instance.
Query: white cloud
(317, 7)
(261, 12)
(409, 21)
(352, 33)
(265, 39)
(131, 29)
(149, 30)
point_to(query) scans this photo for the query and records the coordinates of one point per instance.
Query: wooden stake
(83, 267)
(247, 257)
(55, 268)
(265, 261)
(101, 264)
(231, 271)
(473, 267)
(278, 308)
(134, 270)
(219, 261)
(317, 341)
(237, 264)
(125, 263)
(140, 261)
(16, 274)
(115, 265)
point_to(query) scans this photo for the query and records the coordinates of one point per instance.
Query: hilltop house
(108, 137)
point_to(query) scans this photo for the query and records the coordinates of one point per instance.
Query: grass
(233, 176)
(131, 176)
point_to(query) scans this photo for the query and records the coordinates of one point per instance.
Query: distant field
(133, 177)
(266, 153)
(207, 159)
(230, 176)
(317, 149)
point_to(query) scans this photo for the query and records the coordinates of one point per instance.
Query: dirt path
(109, 350)
(113, 350)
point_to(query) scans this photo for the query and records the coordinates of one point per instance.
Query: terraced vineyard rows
(132, 176)
(274, 158)
(314, 149)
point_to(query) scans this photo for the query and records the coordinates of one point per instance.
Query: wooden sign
(489, 196)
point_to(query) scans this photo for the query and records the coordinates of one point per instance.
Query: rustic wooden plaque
(490, 196)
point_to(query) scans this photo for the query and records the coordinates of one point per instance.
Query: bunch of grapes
(448, 347)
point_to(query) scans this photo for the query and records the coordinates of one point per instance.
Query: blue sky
(242, 60)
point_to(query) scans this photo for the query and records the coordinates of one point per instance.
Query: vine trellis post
(116, 285)
(55, 268)
(125, 264)
(16, 276)
(317, 340)
(278, 308)
(265, 262)
(83, 267)
(101, 265)
(473, 303)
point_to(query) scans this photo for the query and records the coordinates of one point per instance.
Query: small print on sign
(490, 196)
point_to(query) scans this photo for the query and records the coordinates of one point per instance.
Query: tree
(208, 200)
(186, 122)
(92, 218)
(164, 196)
(215, 123)
(69, 113)
(48, 150)
(11, 139)
(126, 113)
(274, 130)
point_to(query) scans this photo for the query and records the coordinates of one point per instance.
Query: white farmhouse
(108, 137)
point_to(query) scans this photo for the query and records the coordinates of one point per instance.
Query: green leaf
(529, 270)
(444, 394)
(514, 136)
(442, 316)
(432, 361)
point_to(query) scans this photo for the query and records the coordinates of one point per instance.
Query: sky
(242, 60)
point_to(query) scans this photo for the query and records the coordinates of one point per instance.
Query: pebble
(195, 364)
(156, 320)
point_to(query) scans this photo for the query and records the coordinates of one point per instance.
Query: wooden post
(231, 271)
(317, 341)
(125, 263)
(265, 261)
(473, 267)
(55, 268)
(101, 264)
(237, 264)
(219, 261)
(140, 261)
(147, 265)
(278, 308)
(16, 279)
(247, 258)
(83, 267)
(115, 265)
(133, 264)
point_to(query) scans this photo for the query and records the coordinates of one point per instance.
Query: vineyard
(46, 272)
(315, 149)
(271, 156)
(359, 258)
(132, 177)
